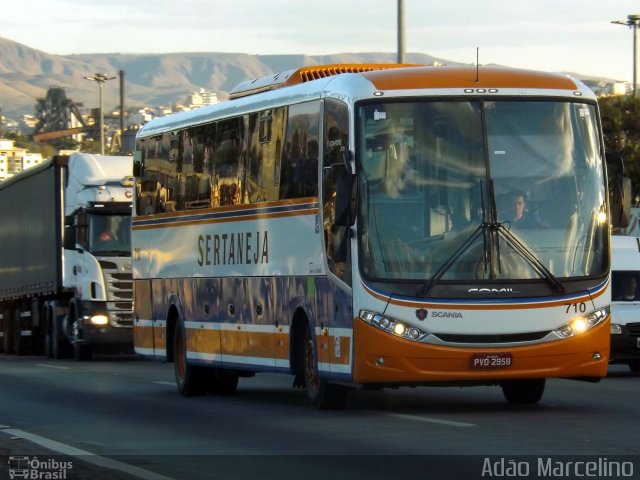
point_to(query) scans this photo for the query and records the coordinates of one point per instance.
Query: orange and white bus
(369, 226)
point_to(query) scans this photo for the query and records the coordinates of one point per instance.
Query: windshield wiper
(426, 287)
(531, 258)
(517, 245)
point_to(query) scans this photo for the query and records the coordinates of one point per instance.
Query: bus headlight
(581, 324)
(395, 327)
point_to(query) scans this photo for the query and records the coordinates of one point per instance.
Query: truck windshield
(110, 234)
(464, 191)
(625, 285)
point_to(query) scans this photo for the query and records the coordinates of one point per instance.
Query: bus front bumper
(383, 358)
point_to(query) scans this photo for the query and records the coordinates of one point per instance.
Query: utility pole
(100, 79)
(401, 43)
(633, 21)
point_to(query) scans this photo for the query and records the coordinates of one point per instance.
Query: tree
(621, 130)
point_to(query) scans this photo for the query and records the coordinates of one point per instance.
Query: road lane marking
(171, 384)
(57, 367)
(83, 455)
(418, 418)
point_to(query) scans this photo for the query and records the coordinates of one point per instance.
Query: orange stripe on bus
(466, 77)
(143, 336)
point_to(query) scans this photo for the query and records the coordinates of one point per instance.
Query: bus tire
(222, 382)
(191, 380)
(523, 392)
(323, 395)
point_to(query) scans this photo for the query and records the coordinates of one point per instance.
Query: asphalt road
(122, 418)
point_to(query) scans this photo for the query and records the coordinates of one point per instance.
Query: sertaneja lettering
(237, 248)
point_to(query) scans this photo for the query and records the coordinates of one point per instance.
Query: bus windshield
(480, 190)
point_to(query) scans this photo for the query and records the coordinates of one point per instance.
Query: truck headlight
(99, 320)
(583, 323)
(616, 329)
(395, 327)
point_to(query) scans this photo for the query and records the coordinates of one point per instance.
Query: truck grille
(119, 286)
(634, 329)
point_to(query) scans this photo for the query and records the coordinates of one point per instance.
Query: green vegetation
(621, 129)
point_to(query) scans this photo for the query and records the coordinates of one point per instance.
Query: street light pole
(633, 21)
(100, 79)
(401, 43)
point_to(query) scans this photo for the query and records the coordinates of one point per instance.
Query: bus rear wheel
(191, 380)
(523, 392)
(222, 382)
(323, 395)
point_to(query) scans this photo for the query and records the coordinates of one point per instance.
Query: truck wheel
(634, 366)
(523, 392)
(323, 395)
(19, 342)
(4, 329)
(49, 337)
(60, 347)
(82, 352)
(190, 379)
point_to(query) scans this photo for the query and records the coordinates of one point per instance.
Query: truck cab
(97, 264)
(625, 301)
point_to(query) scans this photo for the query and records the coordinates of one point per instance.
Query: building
(14, 159)
(202, 98)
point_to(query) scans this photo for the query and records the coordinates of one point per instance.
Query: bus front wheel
(323, 395)
(523, 392)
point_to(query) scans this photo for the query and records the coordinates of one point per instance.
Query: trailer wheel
(190, 379)
(19, 343)
(323, 395)
(4, 321)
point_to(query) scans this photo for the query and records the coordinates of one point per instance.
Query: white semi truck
(65, 257)
(625, 301)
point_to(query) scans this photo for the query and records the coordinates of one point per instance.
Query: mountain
(150, 79)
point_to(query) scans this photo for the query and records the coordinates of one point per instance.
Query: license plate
(492, 360)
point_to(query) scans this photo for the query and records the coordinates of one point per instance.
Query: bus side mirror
(621, 202)
(620, 191)
(137, 164)
(345, 206)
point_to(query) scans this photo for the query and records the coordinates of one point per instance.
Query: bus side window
(336, 145)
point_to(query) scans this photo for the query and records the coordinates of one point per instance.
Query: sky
(552, 35)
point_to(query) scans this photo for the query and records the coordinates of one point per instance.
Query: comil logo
(36, 469)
